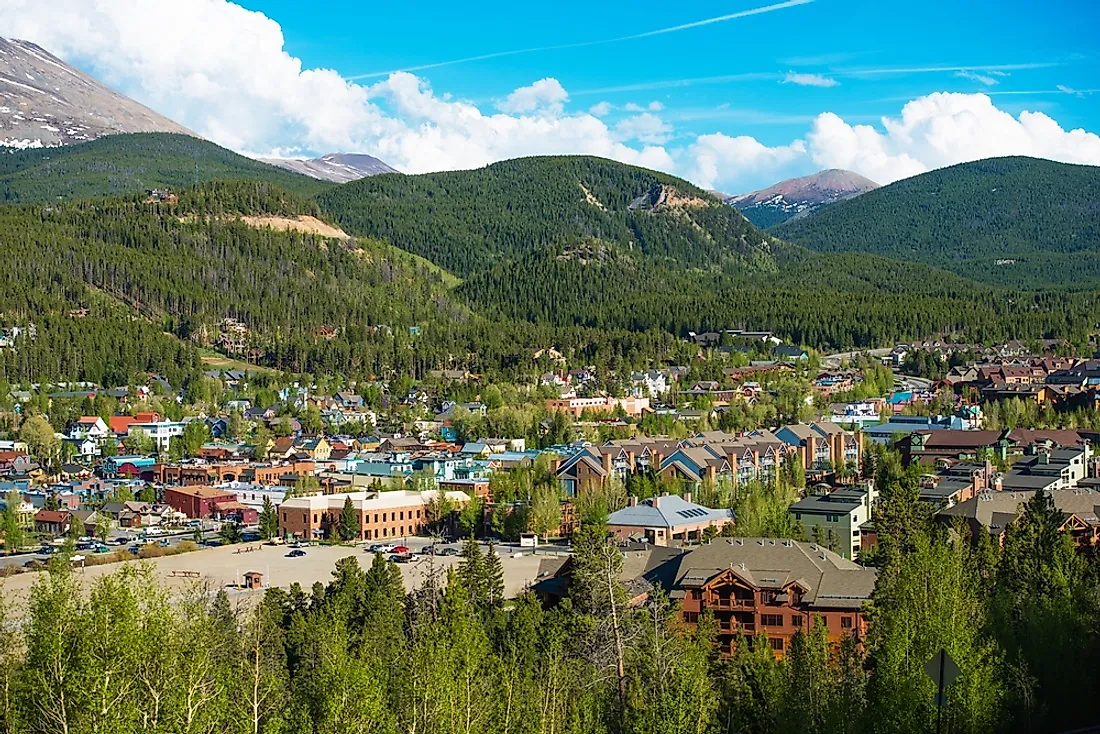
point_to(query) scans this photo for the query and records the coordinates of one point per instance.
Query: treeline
(969, 216)
(827, 302)
(125, 165)
(360, 654)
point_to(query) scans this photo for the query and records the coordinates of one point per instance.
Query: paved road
(131, 537)
(834, 361)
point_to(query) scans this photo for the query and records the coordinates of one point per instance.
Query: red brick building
(197, 502)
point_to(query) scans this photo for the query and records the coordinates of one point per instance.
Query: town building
(379, 515)
(834, 520)
(750, 586)
(666, 520)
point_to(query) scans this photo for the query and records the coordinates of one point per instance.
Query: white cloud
(985, 79)
(600, 109)
(222, 71)
(720, 160)
(546, 94)
(653, 106)
(645, 128)
(1069, 90)
(809, 80)
(942, 129)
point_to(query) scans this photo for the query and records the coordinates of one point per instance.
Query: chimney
(606, 457)
(632, 501)
(687, 496)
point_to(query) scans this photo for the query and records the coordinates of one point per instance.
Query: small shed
(253, 580)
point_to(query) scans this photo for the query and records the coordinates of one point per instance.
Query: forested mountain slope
(122, 165)
(303, 302)
(1020, 222)
(469, 221)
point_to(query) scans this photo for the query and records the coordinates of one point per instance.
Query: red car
(401, 550)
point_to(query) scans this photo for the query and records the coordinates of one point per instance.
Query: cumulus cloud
(809, 80)
(942, 129)
(222, 71)
(545, 94)
(645, 128)
(986, 79)
(721, 160)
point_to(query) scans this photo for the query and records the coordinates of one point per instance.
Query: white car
(382, 548)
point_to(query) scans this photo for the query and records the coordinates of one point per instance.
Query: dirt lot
(222, 567)
(301, 223)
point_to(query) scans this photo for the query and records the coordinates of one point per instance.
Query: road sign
(942, 669)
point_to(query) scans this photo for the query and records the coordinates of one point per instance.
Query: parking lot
(224, 567)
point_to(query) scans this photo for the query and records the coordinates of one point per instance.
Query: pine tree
(348, 530)
(269, 519)
(471, 571)
(492, 579)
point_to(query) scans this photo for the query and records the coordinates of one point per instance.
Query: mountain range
(601, 259)
(335, 167)
(1020, 222)
(799, 197)
(45, 102)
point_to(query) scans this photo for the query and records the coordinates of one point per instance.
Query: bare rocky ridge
(44, 102)
(798, 197)
(337, 167)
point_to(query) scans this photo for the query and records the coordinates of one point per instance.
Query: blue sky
(885, 88)
(844, 40)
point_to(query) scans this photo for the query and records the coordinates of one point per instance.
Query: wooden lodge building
(751, 586)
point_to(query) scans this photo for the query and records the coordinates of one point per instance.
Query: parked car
(302, 544)
(412, 557)
(449, 552)
(212, 543)
(296, 553)
(47, 550)
(401, 550)
(164, 543)
(382, 548)
(84, 545)
(123, 540)
(399, 557)
(102, 548)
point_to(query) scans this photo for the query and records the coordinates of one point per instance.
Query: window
(384, 533)
(796, 620)
(798, 516)
(284, 517)
(305, 518)
(771, 620)
(376, 517)
(314, 518)
(383, 517)
(402, 514)
(846, 623)
(776, 643)
(696, 594)
(855, 533)
(691, 617)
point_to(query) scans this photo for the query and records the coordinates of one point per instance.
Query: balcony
(732, 628)
(730, 603)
